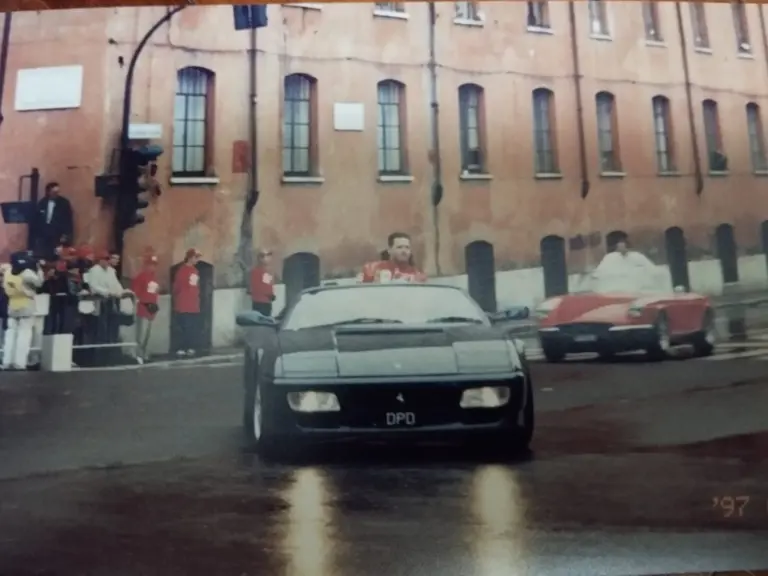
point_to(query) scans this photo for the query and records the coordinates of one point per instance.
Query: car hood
(608, 308)
(396, 351)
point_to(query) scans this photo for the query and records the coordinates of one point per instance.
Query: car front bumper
(433, 411)
(576, 338)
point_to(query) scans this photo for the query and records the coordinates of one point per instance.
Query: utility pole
(125, 156)
(437, 173)
(4, 47)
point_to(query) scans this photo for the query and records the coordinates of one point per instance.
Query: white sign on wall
(55, 88)
(348, 116)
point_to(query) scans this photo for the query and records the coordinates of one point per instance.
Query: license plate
(585, 338)
(401, 419)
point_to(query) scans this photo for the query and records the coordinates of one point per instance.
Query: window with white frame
(538, 15)
(598, 18)
(390, 7)
(191, 119)
(469, 11)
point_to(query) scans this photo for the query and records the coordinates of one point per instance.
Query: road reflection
(309, 538)
(498, 508)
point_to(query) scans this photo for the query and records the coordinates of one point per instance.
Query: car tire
(553, 353)
(659, 349)
(520, 443)
(704, 341)
(258, 436)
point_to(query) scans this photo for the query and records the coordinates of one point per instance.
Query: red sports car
(625, 308)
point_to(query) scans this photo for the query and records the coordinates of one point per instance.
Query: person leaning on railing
(103, 284)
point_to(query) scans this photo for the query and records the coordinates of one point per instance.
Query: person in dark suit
(53, 222)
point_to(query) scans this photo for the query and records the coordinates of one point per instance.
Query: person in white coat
(20, 284)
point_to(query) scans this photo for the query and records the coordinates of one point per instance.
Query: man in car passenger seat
(262, 284)
(186, 302)
(398, 267)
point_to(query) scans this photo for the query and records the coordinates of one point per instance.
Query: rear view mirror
(251, 318)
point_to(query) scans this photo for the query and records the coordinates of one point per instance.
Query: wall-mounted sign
(145, 131)
(348, 116)
(55, 88)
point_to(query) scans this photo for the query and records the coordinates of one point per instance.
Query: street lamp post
(124, 139)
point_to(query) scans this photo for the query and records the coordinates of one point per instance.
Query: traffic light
(139, 168)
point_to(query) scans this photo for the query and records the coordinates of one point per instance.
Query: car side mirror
(251, 318)
(514, 313)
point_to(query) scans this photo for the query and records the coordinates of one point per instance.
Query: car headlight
(485, 397)
(547, 307)
(313, 402)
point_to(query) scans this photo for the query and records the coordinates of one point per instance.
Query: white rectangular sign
(55, 88)
(348, 116)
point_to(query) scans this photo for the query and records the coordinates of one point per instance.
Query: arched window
(544, 131)
(472, 128)
(607, 133)
(718, 162)
(299, 125)
(391, 132)
(662, 128)
(192, 122)
(756, 138)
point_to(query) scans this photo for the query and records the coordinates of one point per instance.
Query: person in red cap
(147, 291)
(398, 267)
(263, 283)
(186, 302)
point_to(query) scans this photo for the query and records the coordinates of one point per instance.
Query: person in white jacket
(20, 284)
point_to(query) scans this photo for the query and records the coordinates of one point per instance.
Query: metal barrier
(99, 326)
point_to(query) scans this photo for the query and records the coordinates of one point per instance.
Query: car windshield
(378, 304)
(632, 272)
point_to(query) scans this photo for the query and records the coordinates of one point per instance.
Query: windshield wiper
(454, 320)
(365, 321)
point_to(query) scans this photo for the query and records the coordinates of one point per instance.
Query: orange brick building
(536, 104)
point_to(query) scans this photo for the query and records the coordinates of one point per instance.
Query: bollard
(736, 315)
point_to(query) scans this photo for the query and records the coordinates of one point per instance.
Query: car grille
(596, 328)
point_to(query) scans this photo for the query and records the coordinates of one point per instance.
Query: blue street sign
(250, 17)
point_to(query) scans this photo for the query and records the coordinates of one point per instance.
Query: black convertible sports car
(384, 362)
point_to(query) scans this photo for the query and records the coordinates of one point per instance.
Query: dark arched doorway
(725, 242)
(554, 266)
(677, 257)
(613, 238)
(300, 271)
(481, 273)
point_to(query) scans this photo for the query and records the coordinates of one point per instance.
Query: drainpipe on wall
(763, 32)
(437, 176)
(245, 249)
(579, 104)
(4, 46)
(689, 101)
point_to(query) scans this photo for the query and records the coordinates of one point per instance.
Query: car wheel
(659, 349)
(704, 342)
(520, 442)
(258, 437)
(553, 353)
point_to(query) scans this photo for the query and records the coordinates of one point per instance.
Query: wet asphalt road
(141, 473)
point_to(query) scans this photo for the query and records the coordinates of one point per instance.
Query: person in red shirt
(186, 302)
(147, 291)
(398, 267)
(262, 284)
